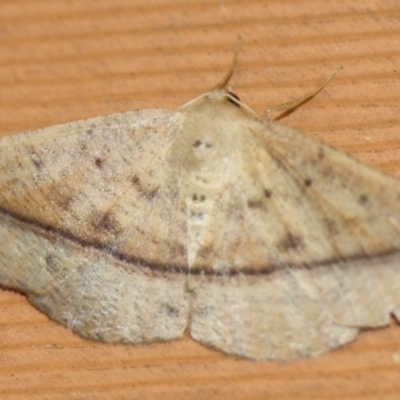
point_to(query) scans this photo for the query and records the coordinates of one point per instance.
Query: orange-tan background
(66, 60)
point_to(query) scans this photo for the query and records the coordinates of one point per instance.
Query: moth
(260, 241)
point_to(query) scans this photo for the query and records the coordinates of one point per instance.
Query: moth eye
(230, 95)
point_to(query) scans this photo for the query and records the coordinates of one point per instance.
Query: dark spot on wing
(99, 162)
(256, 204)
(63, 201)
(37, 161)
(136, 181)
(290, 242)
(198, 198)
(170, 310)
(267, 193)
(307, 182)
(151, 194)
(363, 199)
(148, 193)
(105, 222)
(199, 143)
(321, 153)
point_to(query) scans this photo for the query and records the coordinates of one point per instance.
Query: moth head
(223, 97)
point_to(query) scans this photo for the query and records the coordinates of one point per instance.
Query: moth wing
(319, 256)
(86, 230)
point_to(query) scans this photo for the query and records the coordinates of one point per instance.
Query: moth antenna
(223, 84)
(290, 106)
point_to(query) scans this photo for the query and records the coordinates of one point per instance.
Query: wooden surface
(67, 60)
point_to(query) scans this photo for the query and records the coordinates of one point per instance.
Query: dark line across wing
(171, 268)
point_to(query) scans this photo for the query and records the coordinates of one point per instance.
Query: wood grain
(67, 60)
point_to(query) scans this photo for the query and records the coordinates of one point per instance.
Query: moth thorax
(201, 193)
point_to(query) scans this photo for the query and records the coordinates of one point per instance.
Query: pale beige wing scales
(86, 229)
(304, 249)
(266, 243)
(357, 214)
